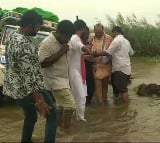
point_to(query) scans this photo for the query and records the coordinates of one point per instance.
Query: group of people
(110, 61)
(58, 78)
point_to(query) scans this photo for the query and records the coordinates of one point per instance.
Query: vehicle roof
(14, 26)
(43, 32)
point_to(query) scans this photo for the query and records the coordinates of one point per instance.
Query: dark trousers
(89, 81)
(1, 95)
(30, 113)
(119, 82)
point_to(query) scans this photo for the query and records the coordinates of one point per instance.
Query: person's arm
(46, 60)
(77, 45)
(41, 105)
(85, 49)
(131, 52)
(32, 78)
(110, 51)
(19, 60)
(14, 55)
(103, 53)
(89, 58)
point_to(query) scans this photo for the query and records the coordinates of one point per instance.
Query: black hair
(79, 25)
(30, 17)
(85, 35)
(117, 29)
(99, 25)
(65, 27)
(86, 29)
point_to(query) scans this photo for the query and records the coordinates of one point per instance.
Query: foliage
(155, 59)
(2, 12)
(144, 37)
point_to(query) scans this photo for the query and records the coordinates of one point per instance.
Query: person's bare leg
(125, 97)
(60, 114)
(105, 89)
(98, 85)
(66, 119)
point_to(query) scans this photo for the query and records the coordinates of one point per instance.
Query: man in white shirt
(78, 84)
(54, 61)
(119, 51)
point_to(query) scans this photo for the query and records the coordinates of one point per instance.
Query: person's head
(99, 30)
(79, 26)
(30, 23)
(116, 31)
(85, 35)
(64, 31)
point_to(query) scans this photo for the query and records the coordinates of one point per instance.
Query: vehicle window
(40, 35)
(38, 38)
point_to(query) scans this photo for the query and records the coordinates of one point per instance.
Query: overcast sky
(91, 10)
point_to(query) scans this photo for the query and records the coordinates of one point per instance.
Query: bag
(102, 70)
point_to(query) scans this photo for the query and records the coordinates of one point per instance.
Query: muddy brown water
(137, 122)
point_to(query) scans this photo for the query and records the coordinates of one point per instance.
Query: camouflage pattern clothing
(23, 72)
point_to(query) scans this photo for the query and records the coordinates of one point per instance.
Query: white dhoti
(79, 91)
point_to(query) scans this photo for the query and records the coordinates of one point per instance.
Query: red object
(83, 69)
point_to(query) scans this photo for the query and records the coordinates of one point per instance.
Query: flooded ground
(137, 122)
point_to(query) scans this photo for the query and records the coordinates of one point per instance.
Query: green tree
(143, 36)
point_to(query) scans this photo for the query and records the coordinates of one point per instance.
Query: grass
(152, 59)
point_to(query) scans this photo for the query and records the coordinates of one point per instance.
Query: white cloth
(120, 49)
(57, 75)
(77, 87)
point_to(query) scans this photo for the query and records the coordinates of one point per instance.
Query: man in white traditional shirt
(119, 51)
(76, 71)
